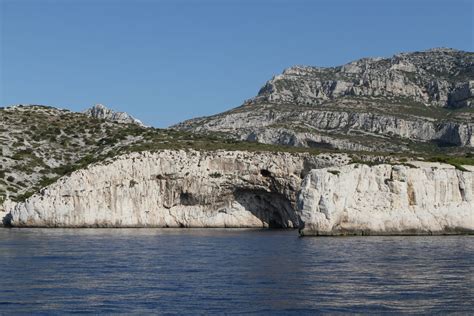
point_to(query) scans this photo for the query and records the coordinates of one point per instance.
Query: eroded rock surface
(176, 189)
(344, 129)
(385, 199)
(439, 77)
(322, 195)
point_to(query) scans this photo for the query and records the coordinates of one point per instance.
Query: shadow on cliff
(7, 220)
(273, 209)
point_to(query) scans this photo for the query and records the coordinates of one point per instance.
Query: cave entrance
(276, 221)
(273, 209)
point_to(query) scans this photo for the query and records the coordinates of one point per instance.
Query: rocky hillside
(406, 102)
(438, 77)
(39, 144)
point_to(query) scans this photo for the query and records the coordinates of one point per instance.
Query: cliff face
(242, 189)
(424, 97)
(175, 189)
(342, 129)
(385, 199)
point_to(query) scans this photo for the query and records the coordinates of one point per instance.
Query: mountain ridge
(386, 99)
(440, 65)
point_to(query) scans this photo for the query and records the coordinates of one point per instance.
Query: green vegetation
(457, 162)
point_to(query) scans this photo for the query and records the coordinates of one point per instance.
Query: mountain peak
(441, 77)
(100, 111)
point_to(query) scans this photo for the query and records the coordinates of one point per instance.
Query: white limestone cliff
(384, 199)
(175, 189)
(322, 195)
(3, 214)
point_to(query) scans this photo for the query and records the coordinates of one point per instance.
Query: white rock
(385, 199)
(242, 189)
(100, 111)
(176, 189)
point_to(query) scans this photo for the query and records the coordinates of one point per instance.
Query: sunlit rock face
(322, 195)
(176, 189)
(100, 111)
(438, 77)
(343, 129)
(385, 199)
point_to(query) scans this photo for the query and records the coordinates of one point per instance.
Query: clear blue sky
(166, 61)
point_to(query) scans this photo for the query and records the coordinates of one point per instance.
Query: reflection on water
(205, 271)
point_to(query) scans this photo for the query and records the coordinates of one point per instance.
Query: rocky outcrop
(342, 129)
(385, 199)
(100, 111)
(289, 137)
(175, 189)
(438, 77)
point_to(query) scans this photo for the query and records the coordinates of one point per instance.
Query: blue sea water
(218, 271)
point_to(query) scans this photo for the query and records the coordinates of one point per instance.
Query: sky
(167, 61)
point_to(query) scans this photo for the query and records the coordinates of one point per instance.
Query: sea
(231, 271)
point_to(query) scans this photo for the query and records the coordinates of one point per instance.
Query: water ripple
(176, 271)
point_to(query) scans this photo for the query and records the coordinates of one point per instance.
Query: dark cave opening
(265, 173)
(276, 221)
(274, 209)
